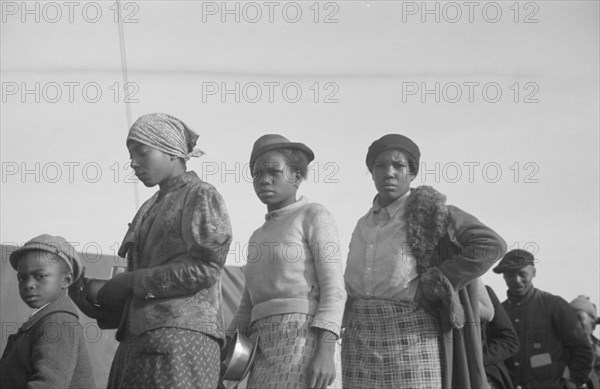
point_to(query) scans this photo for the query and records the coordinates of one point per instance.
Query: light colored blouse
(380, 263)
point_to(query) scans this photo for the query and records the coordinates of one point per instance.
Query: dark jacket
(176, 245)
(594, 381)
(48, 351)
(500, 342)
(550, 338)
(452, 249)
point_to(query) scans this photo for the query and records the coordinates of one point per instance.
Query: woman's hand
(116, 290)
(77, 292)
(224, 350)
(430, 307)
(321, 368)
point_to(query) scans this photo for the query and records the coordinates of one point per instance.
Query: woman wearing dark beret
(412, 318)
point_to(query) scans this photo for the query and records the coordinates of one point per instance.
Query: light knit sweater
(294, 266)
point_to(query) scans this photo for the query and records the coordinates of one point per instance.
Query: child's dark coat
(49, 351)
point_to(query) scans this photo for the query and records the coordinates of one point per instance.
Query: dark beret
(395, 141)
(515, 260)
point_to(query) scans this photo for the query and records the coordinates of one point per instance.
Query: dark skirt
(166, 358)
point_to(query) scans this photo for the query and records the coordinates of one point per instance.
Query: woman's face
(151, 166)
(392, 176)
(274, 180)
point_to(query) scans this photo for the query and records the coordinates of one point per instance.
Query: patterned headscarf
(165, 133)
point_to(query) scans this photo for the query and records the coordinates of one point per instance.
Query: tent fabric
(101, 343)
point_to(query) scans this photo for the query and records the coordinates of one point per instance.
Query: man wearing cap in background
(49, 350)
(588, 318)
(550, 338)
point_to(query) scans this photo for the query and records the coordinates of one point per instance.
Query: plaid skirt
(166, 358)
(285, 347)
(391, 344)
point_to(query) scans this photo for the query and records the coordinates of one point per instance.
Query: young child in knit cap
(588, 318)
(49, 350)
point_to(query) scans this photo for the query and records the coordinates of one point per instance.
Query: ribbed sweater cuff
(287, 305)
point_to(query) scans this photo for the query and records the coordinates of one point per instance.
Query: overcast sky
(501, 97)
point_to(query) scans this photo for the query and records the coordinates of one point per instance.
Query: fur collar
(427, 218)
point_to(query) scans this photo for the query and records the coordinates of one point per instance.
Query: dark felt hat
(394, 141)
(515, 260)
(54, 244)
(272, 142)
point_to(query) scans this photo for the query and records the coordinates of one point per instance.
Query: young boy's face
(42, 277)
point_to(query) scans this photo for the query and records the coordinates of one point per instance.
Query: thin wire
(136, 194)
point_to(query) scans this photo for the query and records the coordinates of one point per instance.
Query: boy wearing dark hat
(49, 350)
(549, 336)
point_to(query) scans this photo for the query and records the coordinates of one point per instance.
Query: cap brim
(502, 269)
(17, 254)
(284, 145)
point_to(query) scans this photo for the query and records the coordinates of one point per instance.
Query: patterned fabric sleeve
(207, 235)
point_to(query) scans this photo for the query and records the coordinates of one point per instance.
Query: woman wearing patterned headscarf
(413, 318)
(170, 328)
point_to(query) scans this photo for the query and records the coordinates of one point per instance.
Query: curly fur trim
(437, 288)
(427, 218)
